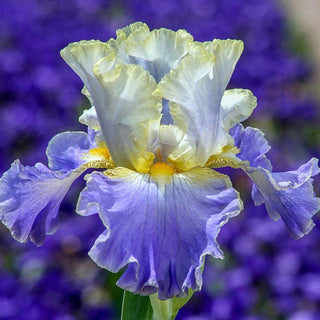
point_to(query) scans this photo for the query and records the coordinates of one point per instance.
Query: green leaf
(135, 307)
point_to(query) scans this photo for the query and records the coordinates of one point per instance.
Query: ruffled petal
(126, 110)
(195, 89)
(89, 118)
(66, 151)
(193, 107)
(123, 97)
(137, 31)
(253, 146)
(288, 195)
(160, 231)
(30, 198)
(82, 56)
(227, 53)
(236, 106)
(157, 51)
(160, 51)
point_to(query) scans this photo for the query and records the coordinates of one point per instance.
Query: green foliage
(168, 309)
(135, 307)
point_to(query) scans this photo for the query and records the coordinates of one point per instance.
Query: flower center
(100, 152)
(161, 172)
(98, 158)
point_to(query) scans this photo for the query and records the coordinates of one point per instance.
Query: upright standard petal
(89, 118)
(227, 53)
(128, 107)
(236, 106)
(195, 89)
(123, 97)
(160, 230)
(160, 51)
(192, 106)
(137, 31)
(82, 56)
(30, 198)
(288, 195)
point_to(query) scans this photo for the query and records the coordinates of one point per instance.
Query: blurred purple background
(265, 273)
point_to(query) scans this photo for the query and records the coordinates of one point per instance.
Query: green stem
(167, 309)
(162, 310)
(135, 307)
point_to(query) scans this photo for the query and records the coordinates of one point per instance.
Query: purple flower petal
(253, 146)
(288, 195)
(30, 198)
(161, 231)
(65, 151)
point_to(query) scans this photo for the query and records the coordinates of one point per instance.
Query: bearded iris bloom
(161, 121)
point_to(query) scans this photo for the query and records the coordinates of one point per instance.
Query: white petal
(137, 31)
(137, 28)
(126, 108)
(170, 137)
(236, 106)
(227, 53)
(189, 89)
(86, 93)
(160, 51)
(90, 118)
(123, 99)
(195, 89)
(82, 56)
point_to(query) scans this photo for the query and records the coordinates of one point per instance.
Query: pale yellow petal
(236, 106)
(188, 87)
(170, 137)
(89, 118)
(137, 31)
(82, 56)
(126, 109)
(195, 89)
(133, 28)
(227, 53)
(159, 51)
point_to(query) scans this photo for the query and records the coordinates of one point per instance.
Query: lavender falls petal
(288, 195)
(160, 230)
(30, 198)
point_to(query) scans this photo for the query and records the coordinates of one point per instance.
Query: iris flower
(161, 121)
